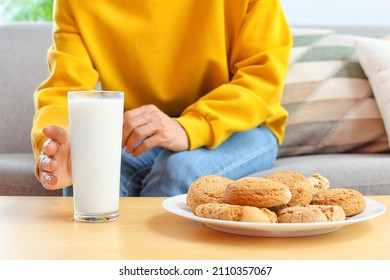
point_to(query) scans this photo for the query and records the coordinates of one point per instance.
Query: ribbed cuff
(198, 130)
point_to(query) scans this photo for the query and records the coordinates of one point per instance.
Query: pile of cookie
(281, 197)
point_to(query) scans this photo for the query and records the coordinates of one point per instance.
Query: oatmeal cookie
(319, 182)
(301, 189)
(311, 214)
(352, 201)
(237, 213)
(205, 189)
(257, 191)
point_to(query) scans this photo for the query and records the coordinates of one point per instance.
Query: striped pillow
(329, 99)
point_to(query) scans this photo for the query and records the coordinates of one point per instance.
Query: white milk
(96, 136)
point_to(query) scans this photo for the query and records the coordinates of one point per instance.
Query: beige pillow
(386, 37)
(374, 56)
(329, 98)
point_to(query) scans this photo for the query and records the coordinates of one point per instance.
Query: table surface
(42, 228)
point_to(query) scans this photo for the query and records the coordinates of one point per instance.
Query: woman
(202, 82)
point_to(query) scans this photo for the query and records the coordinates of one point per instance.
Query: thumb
(57, 133)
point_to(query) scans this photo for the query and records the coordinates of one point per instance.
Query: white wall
(337, 12)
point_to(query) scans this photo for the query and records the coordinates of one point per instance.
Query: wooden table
(42, 228)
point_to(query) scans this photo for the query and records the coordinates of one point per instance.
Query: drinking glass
(95, 124)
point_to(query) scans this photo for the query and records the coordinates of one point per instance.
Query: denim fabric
(160, 172)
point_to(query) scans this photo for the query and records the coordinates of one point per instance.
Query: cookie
(352, 201)
(228, 212)
(311, 214)
(257, 191)
(205, 189)
(300, 187)
(318, 182)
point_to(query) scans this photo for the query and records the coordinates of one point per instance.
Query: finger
(126, 131)
(50, 147)
(132, 122)
(143, 110)
(48, 180)
(47, 163)
(57, 133)
(145, 145)
(138, 136)
(142, 115)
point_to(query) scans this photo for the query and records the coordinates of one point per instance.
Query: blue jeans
(160, 172)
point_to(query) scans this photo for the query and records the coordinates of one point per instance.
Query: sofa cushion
(374, 56)
(17, 176)
(329, 98)
(367, 173)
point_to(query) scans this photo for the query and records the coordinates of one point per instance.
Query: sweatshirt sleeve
(70, 69)
(258, 62)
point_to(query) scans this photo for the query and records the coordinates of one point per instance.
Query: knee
(179, 163)
(170, 175)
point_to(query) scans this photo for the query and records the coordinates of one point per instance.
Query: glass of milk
(95, 123)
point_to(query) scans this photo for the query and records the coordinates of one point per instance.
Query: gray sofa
(23, 66)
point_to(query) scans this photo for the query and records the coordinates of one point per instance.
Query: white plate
(177, 205)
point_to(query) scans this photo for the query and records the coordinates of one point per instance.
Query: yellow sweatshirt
(217, 66)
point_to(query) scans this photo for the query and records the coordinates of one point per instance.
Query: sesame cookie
(319, 182)
(301, 189)
(257, 191)
(205, 189)
(311, 214)
(352, 201)
(228, 212)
